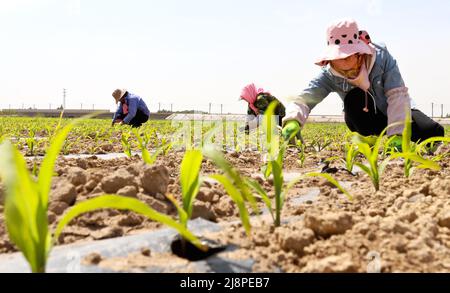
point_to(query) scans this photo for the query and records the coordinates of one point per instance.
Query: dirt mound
(117, 180)
(155, 179)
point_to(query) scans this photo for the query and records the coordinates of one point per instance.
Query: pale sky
(191, 53)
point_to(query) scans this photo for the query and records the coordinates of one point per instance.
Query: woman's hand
(290, 130)
(396, 143)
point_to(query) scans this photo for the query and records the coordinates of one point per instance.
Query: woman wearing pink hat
(258, 100)
(368, 80)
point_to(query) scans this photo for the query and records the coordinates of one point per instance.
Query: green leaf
(264, 196)
(235, 177)
(123, 203)
(423, 144)
(332, 181)
(189, 178)
(23, 209)
(364, 168)
(237, 197)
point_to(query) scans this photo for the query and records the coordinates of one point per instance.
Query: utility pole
(221, 109)
(432, 110)
(171, 108)
(210, 108)
(442, 110)
(64, 98)
(81, 105)
(159, 107)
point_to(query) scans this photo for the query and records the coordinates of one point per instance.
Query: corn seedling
(26, 203)
(148, 158)
(281, 189)
(235, 184)
(31, 141)
(125, 140)
(301, 153)
(275, 167)
(349, 159)
(190, 185)
(411, 152)
(374, 169)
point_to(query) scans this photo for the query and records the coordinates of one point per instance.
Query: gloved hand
(396, 143)
(290, 130)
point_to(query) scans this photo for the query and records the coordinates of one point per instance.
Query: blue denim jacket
(384, 76)
(134, 103)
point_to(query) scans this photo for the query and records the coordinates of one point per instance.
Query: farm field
(325, 205)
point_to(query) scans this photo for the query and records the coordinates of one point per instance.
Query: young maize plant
(349, 159)
(235, 184)
(27, 198)
(369, 147)
(190, 184)
(148, 158)
(411, 151)
(275, 167)
(301, 154)
(125, 140)
(31, 142)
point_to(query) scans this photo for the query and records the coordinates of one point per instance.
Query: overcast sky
(196, 52)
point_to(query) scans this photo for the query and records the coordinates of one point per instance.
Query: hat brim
(122, 93)
(335, 52)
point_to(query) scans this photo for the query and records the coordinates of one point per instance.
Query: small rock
(423, 255)
(156, 204)
(51, 217)
(136, 169)
(361, 228)
(155, 179)
(259, 178)
(76, 176)
(439, 187)
(81, 163)
(444, 219)
(58, 207)
(130, 220)
(206, 194)
(203, 210)
(92, 259)
(145, 251)
(332, 264)
(109, 232)
(90, 185)
(225, 207)
(130, 191)
(107, 147)
(64, 191)
(97, 190)
(295, 240)
(116, 181)
(375, 212)
(329, 223)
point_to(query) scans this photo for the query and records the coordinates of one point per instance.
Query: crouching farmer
(368, 80)
(132, 109)
(258, 101)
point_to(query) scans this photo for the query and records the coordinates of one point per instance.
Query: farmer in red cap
(368, 80)
(258, 100)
